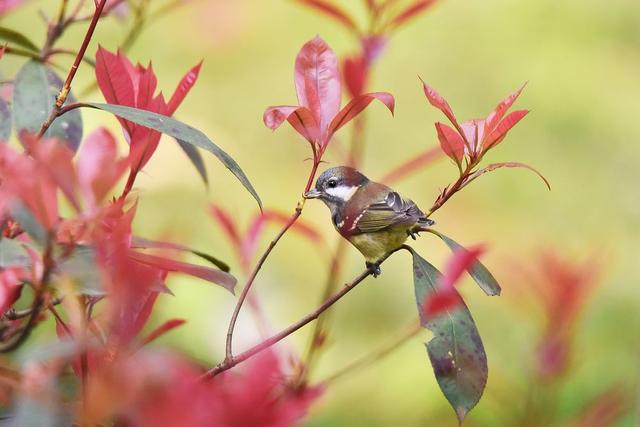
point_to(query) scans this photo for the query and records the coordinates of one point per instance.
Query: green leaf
(181, 131)
(5, 121)
(456, 351)
(80, 267)
(478, 271)
(18, 39)
(12, 254)
(34, 95)
(196, 159)
(28, 223)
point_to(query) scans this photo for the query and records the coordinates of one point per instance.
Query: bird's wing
(391, 211)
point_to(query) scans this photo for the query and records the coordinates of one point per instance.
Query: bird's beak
(312, 194)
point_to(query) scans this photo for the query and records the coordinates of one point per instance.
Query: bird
(373, 217)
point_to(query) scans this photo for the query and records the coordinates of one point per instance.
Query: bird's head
(336, 186)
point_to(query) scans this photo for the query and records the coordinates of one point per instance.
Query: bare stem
(66, 88)
(261, 261)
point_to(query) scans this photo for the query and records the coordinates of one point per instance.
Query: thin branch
(229, 363)
(66, 88)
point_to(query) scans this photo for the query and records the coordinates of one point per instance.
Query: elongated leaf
(80, 267)
(494, 166)
(16, 38)
(317, 81)
(142, 243)
(196, 159)
(34, 95)
(478, 271)
(181, 131)
(183, 89)
(300, 118)
(451, 142)
(163, 329)
(29, 223)
(356, 105)
(411, 11)
(218, 277)
(412, 165)
(441, 104)
(504, 127)
(5, 121)
(494, 118)
(332, 11)
(456, 351)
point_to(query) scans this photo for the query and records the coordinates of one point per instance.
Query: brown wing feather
(391, 211)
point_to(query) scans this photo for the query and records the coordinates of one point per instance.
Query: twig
(229, 363)
(261, 261)
(66, 88)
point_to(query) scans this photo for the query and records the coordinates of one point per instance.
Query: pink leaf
(458, 263)
(332, 11)
(114, 82)
(356, 71)
(412, 165)
(441, 104)
(163, 329)
(300, 118)
(410, 12)
(206, 273)
(451, 142)
(183, 89)
(317, 81)
(500, 110)
(10, 287)
(505, 126)
(495, 166)
(441, 302)
(227, 223)
(355, 107)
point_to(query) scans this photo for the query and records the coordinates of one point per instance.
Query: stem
(66, 88)
(261, 261)
(453, 189)
(409, 332)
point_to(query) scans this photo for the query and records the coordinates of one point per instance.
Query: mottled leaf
(181, 131)
(5, 121)
(456, 351)
(34, 95)
(478, 271)
(16, 38)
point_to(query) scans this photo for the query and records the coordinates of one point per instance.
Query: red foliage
(122, 83)
(318, 88)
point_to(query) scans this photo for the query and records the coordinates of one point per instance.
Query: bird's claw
(374, 268)
(413, 234)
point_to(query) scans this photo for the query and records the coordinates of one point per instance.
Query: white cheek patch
(342, 192)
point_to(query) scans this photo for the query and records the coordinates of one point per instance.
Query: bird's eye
(332, 183)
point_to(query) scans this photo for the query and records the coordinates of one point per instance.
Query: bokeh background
(581, 61)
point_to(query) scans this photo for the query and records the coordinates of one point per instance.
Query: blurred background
(581, 61)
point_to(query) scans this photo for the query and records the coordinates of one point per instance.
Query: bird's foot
(374, 268)
(413, 233)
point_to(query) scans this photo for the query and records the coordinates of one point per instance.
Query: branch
(232, 361)
(263, 258)
(66, 88)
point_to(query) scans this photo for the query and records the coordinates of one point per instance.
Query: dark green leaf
(5, 121)
(456, 351)
(34, 95)
(12, 253)
(478, 271)
(81, 268)
(18, 39)
(181, 131)
(196, 158)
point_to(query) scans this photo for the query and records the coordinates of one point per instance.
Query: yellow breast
(374, 246)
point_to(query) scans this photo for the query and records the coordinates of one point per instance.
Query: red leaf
(300, 118)
(451, 142)
(227, 223)
(332, 11)
(458, 263)
(495, 166)
(183, 89)
(300, 226)
(440, 302)
(163, 329)
(504, 105)
(98, 166)
(114, 82)
(206, 273)
(10, 287)
(412, 165)
(356, 71)
(318, 82)
(505, 126)
(355, 107)
(441, 104)
(410, 12)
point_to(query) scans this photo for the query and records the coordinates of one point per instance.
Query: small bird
(371, 216)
